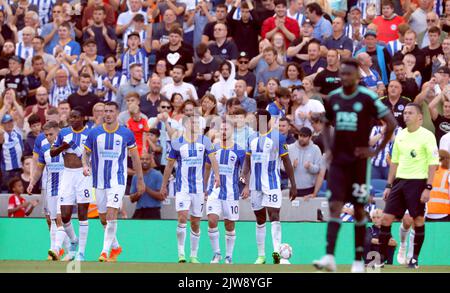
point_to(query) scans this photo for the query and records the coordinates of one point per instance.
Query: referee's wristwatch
(429, 187)
(389, 185)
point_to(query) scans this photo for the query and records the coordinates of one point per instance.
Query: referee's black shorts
(405, 195)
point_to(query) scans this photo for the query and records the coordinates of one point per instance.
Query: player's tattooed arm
(85, 159)
(290, 172)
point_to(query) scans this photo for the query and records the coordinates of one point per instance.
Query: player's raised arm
(138, 169)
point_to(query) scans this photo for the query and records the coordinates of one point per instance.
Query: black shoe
(413, 264)
(319, 215)
(276, 258)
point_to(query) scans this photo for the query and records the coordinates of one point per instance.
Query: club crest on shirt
(285, 147)
(117, 142)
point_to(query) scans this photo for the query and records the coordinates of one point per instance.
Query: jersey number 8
(86, 193)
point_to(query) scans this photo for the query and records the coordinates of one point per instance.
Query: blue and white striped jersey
(380, 160)
(349, 218)
(74, 138)
(12, 149)
(45, 9)
(394, 46)
(72, 48)
(39, 143)
(24, 52)
(191, 159)
(60, 93)
(141, 57)
(54, 167)
(265, 151)
(109, 155)
(230, 162)
(117, 80)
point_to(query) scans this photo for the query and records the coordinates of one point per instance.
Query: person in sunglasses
(168, 127)
(245, 74)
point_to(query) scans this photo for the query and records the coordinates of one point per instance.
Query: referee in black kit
(414, 160)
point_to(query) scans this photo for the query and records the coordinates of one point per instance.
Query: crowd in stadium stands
(163, 59)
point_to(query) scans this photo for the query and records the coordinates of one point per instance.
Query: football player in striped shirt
(75, 188)
(51, 115)
(189, 152)
(54, 166)
(108, 146)
(224, 200)
(265, 148)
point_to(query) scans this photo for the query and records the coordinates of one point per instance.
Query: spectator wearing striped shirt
(24, 48)
(355, 29)
(44, 9)
(380, 163)
(11, 141)
(61, 87)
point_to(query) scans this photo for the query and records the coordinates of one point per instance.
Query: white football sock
(403, 235)
(83, 234)
(214, 235)
(59, 238)
(261, 239)
(115, 243)
(53, 229)
(276, 235)
(70, 232)
(195, 241)
(110, 234)
(66, 243)
(181, 237)
(411, 244)
(230, 238)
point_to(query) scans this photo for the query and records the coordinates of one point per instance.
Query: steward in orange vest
(438, 207)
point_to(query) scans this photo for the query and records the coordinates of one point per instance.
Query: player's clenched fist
(86, 171)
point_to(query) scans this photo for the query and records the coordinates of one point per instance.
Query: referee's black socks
(385, 235)
(360, 236)
(332, 231)
(418, 240)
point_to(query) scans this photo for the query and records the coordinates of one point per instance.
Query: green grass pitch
(128, 267)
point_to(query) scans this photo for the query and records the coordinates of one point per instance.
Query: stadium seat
(377, 187)
(323, 189)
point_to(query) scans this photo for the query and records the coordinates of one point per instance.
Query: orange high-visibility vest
(439, 202)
